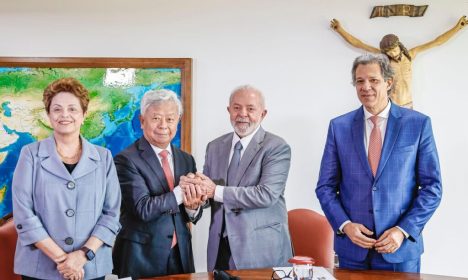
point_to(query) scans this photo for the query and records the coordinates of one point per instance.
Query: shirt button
(71, 185)
(374, 188)
(70, 212)
(69, 241)
(20, 226)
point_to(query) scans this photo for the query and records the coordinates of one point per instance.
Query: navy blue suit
(150, 213)
(405, 191)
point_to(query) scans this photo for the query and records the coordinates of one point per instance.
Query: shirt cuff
(404, 232)
(219, 192)
(343, 225)
(192, 213)
(179, 195)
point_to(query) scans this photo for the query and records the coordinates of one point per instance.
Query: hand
(357, 233)
(193, 196)
(76, 276)
(188, 179)
(462, 22)
(335, 24)
(207, 185)
(390, 241)
(72, 266)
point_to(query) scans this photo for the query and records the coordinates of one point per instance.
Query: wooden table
(340, 274)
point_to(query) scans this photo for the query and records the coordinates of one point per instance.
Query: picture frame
(108, 80)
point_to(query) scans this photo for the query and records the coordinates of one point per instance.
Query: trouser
(375, 261)
(224, 259)
(174, 263)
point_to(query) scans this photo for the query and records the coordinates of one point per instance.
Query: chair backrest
(8, 237)
(312, 236)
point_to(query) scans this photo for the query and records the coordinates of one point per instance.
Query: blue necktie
(232, 172)
(234, 165)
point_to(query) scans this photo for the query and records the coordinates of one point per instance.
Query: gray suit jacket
(255, 209)
(48, 201)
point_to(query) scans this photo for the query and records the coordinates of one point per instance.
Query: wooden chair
(8, 237)
(311, 236)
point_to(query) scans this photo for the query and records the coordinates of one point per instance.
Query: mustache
(239, 119)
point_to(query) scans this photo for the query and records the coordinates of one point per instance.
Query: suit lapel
(51, 160)
(358, 140)
(391, 135)
(249, 154)
(179, 164)
(87, 161)
(148, 154)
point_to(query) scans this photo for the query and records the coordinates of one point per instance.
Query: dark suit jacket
(405, 192)
(150, 213)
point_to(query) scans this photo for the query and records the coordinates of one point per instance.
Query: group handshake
(197, 188)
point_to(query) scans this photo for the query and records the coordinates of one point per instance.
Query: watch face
(88, 253)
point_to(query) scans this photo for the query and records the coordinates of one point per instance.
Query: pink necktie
(170, 181)
(375, 145)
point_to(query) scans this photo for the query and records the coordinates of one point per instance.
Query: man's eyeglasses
(281, 274)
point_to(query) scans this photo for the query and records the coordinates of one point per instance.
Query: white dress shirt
(245, 141)
(178, 192)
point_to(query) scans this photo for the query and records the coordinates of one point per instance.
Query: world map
(112, 119)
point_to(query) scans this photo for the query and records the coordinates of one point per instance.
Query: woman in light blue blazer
(66, 196)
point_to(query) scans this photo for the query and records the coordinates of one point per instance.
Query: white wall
(285, 48)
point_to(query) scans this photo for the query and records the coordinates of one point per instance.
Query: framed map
(116, 86)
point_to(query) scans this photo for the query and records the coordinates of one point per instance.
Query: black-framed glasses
(281, 274)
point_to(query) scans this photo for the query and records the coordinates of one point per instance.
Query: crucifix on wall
(400, 57)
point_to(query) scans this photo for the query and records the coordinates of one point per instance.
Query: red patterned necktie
(375, 145)
(170, 181)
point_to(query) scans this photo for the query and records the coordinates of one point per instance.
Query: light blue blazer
(48, 201)
(405, 192)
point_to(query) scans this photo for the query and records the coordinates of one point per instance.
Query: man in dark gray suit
(155, 239)
(245, 176)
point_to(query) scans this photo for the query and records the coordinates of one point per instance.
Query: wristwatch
(88, 253)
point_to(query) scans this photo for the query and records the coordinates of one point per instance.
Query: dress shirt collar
(384, 114)
(244, 140)
(157, 150)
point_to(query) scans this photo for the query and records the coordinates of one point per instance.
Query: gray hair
(379, 59)
(249, 88)
(158, 96)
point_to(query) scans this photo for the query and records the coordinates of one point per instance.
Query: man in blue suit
(379, 179)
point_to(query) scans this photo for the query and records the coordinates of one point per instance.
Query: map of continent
(111, 120)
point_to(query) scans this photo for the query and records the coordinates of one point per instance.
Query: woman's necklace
(70, 159)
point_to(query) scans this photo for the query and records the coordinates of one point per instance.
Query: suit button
(69, 241)
(71, 185)
(70, 213)
(20, 226)
(371, 212)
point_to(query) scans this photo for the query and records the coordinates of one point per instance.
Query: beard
(244, 127)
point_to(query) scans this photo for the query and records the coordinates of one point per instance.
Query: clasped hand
(389, 242)
(197, 189)
(71, 265)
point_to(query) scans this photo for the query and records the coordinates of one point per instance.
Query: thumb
(365, 230)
